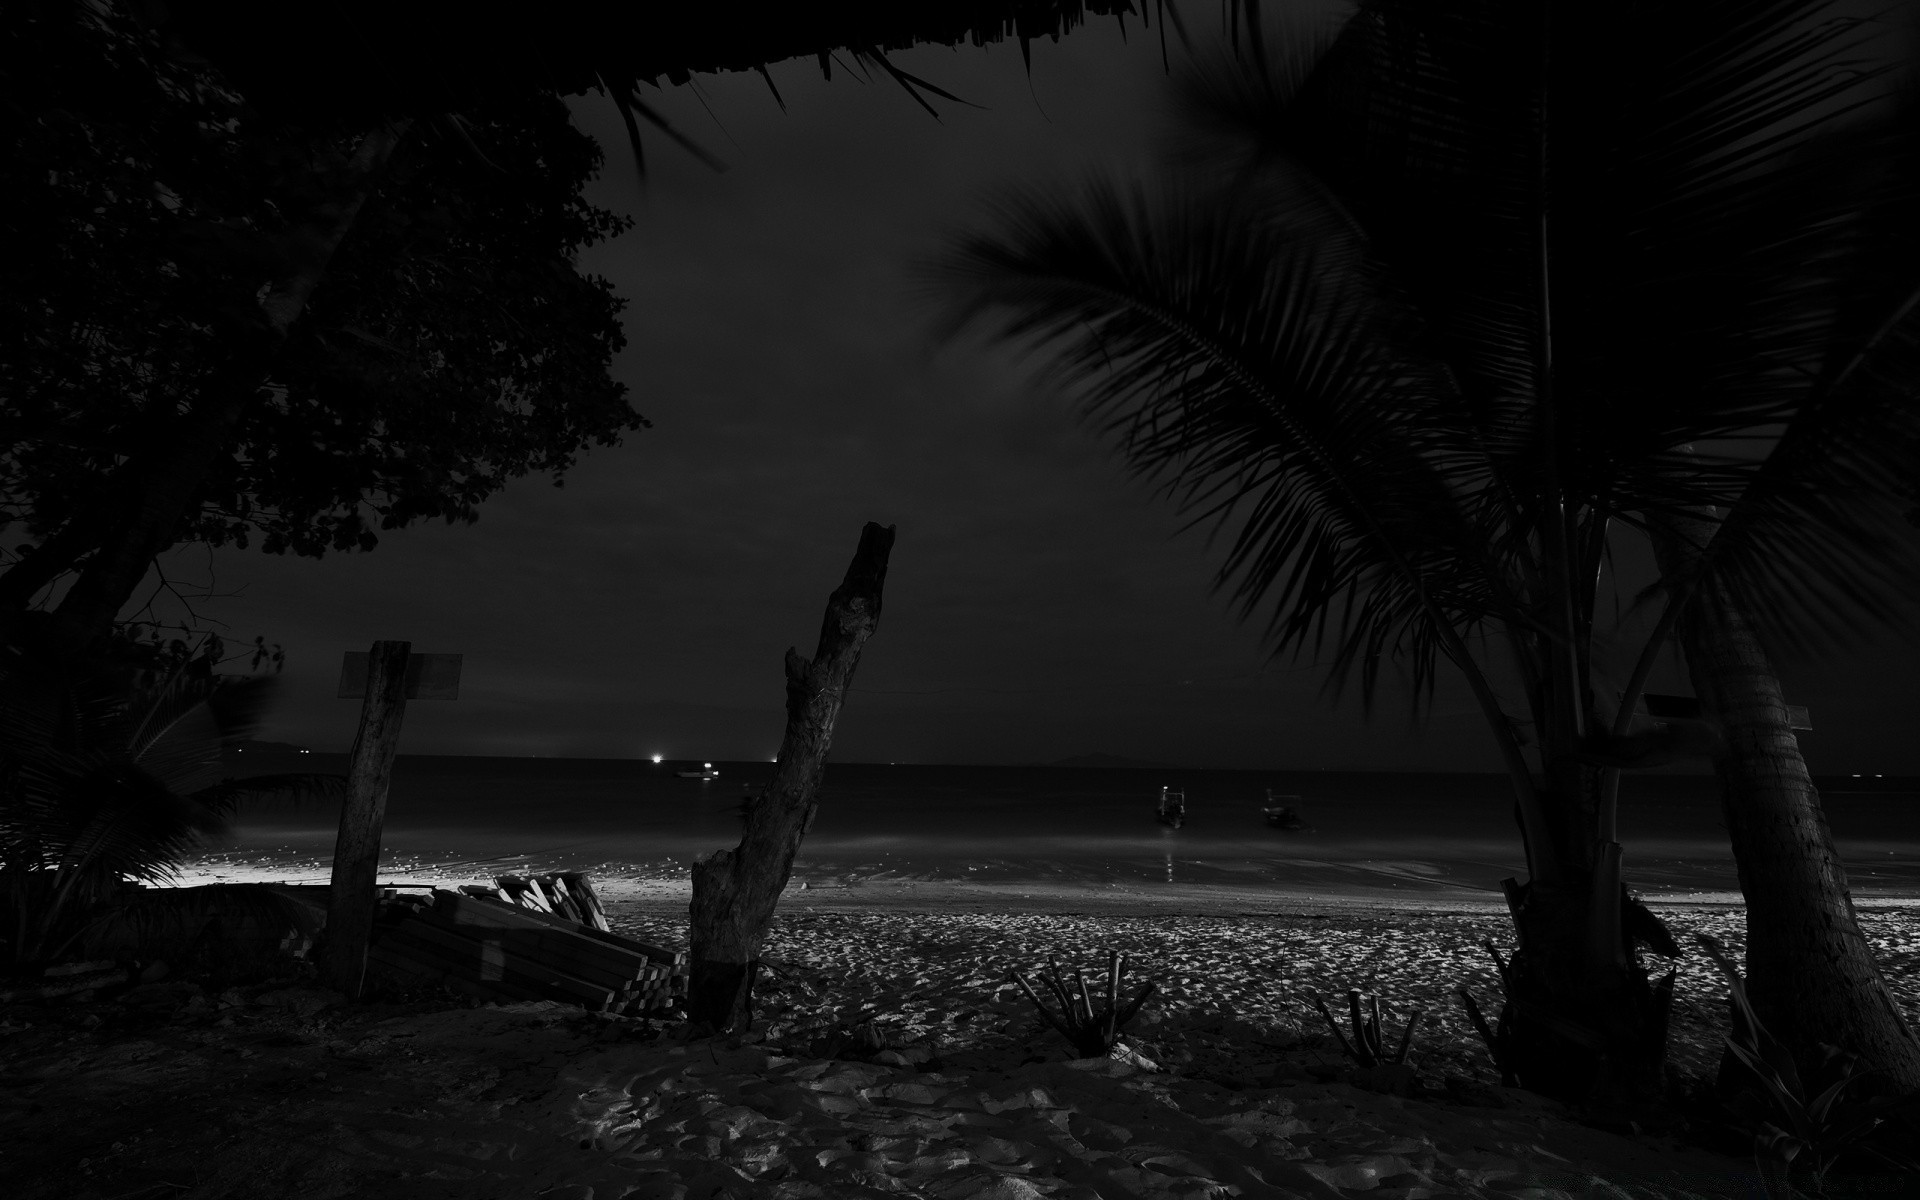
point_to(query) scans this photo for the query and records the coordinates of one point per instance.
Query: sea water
(875, 821)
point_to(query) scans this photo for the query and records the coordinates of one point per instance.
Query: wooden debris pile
(567, 894)
(480, 941)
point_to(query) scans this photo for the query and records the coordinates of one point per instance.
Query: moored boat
(705, 772)
(1281, 814)
(1173, 808)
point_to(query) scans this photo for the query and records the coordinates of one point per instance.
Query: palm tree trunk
(1584, 1020)
(1810, 973)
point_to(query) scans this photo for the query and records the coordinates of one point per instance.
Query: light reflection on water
(999, 824)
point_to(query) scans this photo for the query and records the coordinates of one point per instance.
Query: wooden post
(356, 854)
(735, 891)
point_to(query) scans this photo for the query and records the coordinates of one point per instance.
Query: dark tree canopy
(451, 347)
(231, 353)
(360, 59)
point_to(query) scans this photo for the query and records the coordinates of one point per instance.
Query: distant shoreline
(1091, 762)
(275, 757)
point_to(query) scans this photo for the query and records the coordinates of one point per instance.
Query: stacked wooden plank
(487, 946)
(566, 894)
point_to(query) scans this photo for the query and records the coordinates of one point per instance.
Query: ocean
(1424, 832)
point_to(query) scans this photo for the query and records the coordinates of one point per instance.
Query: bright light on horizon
(656, 759)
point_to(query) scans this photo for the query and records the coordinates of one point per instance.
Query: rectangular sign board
(429, 676)
(1687, 708)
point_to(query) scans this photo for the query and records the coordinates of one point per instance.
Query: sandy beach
(891, 1056)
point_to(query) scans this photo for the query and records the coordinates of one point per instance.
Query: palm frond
(1251, 368)
(49, 699)
(225, 797)
(192, 718)
(111, 773)
(1564, 184)
(122, 822)
(1817, 548)
(1719, 224)
(163, 921)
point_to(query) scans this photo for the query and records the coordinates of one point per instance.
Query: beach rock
(537, 1012)
(303, 1002)
(982, 1185)
(1392, 1079)
(1127, 1056)
(1358, 1173)
(166, 993)
(1462, 1090)
(907, 1093)
(1479, 1168)
(1033, 1097)
(1272, 1121)
(1096, 1134)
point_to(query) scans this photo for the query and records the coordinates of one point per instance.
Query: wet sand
(1338, 887)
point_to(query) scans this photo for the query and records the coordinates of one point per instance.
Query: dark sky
(1040, 603)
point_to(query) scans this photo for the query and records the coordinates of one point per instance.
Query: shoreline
(643, 896)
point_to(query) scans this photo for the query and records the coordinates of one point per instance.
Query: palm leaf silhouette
(110, 777)
(1445, 304)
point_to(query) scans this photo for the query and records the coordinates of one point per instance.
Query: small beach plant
(1798, 1120)
(1368, 1047)
(1092, 1032)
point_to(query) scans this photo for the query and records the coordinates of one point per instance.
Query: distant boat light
(656, 758)
(708, 766)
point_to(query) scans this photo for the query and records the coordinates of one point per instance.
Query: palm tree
(110, 771)
(1464, 300)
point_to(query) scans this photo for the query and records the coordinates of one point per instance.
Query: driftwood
(566, 894)
(735, 891)
(478, 944)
